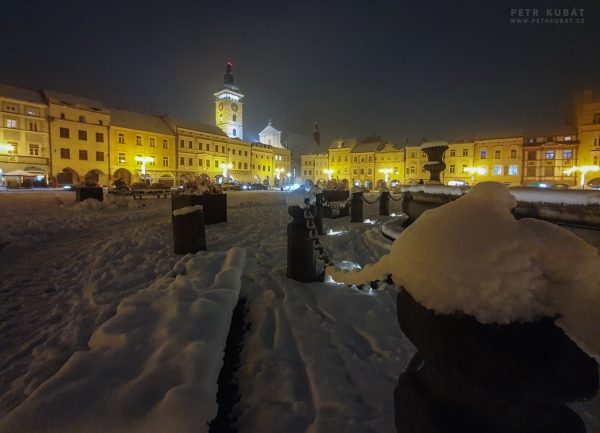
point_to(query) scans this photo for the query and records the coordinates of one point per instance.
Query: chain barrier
(324, 257)
(371, 202)
(397, 199)
(337, 207)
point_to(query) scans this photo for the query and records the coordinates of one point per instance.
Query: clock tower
(228, 107)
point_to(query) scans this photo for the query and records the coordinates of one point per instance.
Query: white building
(270, 136)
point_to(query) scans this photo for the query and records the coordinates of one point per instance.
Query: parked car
(254, 187)
(120, 185)
(139, 185)
(159, 185)
(230, 187)
(68, 187)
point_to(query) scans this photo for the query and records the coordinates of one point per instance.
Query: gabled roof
(72, 100)
(143, 122)
(497, 135)
(269, 130)
(388, 147)
(550, 131)
(462, 139)
(21, 94)
(347, 143)
(195, 126)
(367, 147)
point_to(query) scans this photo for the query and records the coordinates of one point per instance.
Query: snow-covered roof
(72, 100)
(347, 143)
(462, 139)
(196, 126)
(143, 122)
(21, 94)
(493, 135)
(367, 147)
(550, 131)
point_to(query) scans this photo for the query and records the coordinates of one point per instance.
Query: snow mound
(110, 202)
(186, 210)
(153, 367)
(356, 188)
(299, 196)
(472, 256)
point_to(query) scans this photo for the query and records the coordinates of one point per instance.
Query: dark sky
(402, 69)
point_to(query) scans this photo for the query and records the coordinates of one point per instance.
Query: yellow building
(201, 149)
(79, 137)
(389, 163)
(307, 167)
(262, 163)
(24, 140)
(339, 159)
(363, 163)
(313, 167)
(281, 166)
(414, 170)
(587, 121)
(134, 136)
(458, 158)
(240, 158)
(499, 155)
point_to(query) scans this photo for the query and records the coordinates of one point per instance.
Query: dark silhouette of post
(356, 211)
(317, 211)
(188, 233)
(301, 256)
(384, 203)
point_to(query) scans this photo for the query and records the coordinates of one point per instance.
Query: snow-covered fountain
(435, 162)
(505, 314)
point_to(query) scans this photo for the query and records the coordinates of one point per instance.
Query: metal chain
(371, 202)
(397, 199)
(337, 207)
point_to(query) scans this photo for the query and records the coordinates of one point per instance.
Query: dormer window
(82, 119)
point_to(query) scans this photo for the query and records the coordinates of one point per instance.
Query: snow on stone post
(384, 199)
(189, 236)
(317, 208)
(356, 209)
(301, 256)
(435, 163)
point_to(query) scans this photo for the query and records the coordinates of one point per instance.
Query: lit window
(82, 119)
(11, 123)
(513, 170)
(137, 156)
(32, 112)
(549, 154)
(483, 154)
(567, 138)
(568, 154)
(121, 158)
(497, 170)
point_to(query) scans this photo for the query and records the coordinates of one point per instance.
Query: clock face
(234, 107)
(221, 106)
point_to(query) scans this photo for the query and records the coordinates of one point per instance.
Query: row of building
(518, 157)
(65, 139)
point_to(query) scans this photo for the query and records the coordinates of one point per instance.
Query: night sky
(397, 68)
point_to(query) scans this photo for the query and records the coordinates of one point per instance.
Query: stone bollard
(84, 192)
(384, 203)
(188, 230)
(301, 256)
(356, 210)
(317, 211)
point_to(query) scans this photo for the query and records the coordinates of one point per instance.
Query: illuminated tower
(229, 106)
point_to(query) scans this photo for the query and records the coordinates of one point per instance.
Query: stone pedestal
(84, 192)
(189, 236)
(214, 206)
(301, 256)
(356, 211)
(384, 203)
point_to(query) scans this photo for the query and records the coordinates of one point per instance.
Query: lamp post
(583, 170)
(144, 160)
(329, 172)
(289, 177)
(225, 167)
(474, 170)
(387, 172)
(278, 175)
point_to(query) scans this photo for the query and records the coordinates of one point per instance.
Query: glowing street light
(387, 172)
(289, 177)
(474, 170)
(225, 167)
(329, 172)
(144, 160)
(583, 170)
(7, 147)
(278, 174)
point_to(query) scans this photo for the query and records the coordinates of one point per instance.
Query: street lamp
(289, 177)
(225, 167)
(278, 172)
(583, 170)
(144, 160)
(329, 172)
(475, 170)
(7, 147)
(387, 172)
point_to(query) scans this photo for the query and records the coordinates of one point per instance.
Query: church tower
(228, 107)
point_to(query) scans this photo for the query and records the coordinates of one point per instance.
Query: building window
(121, 158)
(452, 169)
(597, 141)
(34, 149)
(32, 112)
(345, 171)
(100, 122)
(181, 143)
(423, 169)
(121, 138)
(497, 170)
(234, 132)
(10, 108)
(165, 144)
(362, 159)
(245, 166)
(530, 171)
(568, 138)
(549, 154)
(413, 169)
(11, 123)
(596, 119)
(484, 169)
(304, 172)
(452, 153)
(369, 171)
(99, 156)
(513, 153)
(395, 170)
(339, 159)
(370, 159)
(464, 168)
(99, 137)
(269, 169)
(548, 171)
(596, 160)
(531, 156)
(33, 126)
(82, 119)
(181, 161)
(83, 155)
(191, 162)
(413, 154)
(165, 161)
(207, 147)
(333, 159)
(137, 156)
(497, 154)
(208, 163)
(245, 153)
(200, 162)
(423, 155)
(152, 142)
(235, 117)
(64, 133)
(239, 165)
(190, 144)
(568, 154)
(513, 170)
(483, 154)
(355, 159)
(138, 140)
(223, 149)
(355, 171)
(83, 135)
(153, 162)
(310, 172)
(465, 152)
(65, 153)
(62, 116)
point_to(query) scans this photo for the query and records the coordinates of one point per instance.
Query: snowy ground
(318, 357)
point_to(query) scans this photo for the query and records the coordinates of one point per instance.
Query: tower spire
(317, 134)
